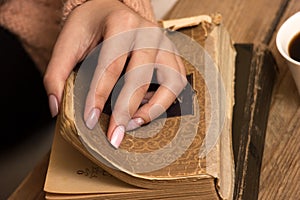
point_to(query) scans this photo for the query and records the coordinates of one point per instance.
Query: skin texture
(83, 30)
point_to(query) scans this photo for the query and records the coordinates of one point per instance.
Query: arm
(144, 7)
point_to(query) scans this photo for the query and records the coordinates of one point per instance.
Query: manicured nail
(135, 123)
(53, 105)
(92, 118)
(117, 136)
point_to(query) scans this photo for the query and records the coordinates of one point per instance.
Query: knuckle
(176, 86)
(121, 115)
(181, 83)
(144, 113)
(144, 88)
(113, 71)
(46, 79)
(100, 99)
(128, 19)
(177, 81)
(144, 52)
(52, 81)
(184, 81)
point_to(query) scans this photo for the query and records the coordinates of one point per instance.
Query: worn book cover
(186, 154)
(181, 155)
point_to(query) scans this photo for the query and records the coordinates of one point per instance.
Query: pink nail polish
(117, 136)
(53, 105)
(134, 123)
(92, 118)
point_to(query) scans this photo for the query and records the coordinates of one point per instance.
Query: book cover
(180, 156)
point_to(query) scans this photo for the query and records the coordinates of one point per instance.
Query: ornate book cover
(182, 154)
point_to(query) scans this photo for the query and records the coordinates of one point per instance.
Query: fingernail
(117, 136)
(135, 123)
(92, 118)
(53, 105)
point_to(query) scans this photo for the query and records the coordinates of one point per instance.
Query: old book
(256, 72)
(181, 155)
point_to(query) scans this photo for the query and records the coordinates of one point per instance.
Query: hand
(97, 21)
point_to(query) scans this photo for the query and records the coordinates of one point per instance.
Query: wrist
(142, 7)
(70, 5)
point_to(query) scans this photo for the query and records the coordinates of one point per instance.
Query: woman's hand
(126, 35)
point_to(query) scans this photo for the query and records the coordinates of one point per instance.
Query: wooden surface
(258, 22)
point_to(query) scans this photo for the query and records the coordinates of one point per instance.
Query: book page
(69, 172)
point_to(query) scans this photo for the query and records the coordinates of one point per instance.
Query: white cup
(285, 34)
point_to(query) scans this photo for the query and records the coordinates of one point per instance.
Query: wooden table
(258, 22)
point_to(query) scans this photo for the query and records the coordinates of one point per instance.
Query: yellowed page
(69, 172)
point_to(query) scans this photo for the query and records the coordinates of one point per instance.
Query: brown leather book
(186, 154)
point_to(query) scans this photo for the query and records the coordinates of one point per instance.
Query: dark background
(24, 105)
(26, 125)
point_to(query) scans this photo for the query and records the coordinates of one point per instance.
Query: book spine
(255, 77)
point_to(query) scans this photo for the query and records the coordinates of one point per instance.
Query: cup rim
(278, 42)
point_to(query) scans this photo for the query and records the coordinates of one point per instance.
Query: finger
(157, 105)
(169, 50)
(114, 51)
(180, 64)
(136, 82)
(172, 81)
(103, 82)
(171, 71)
(65, 56)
